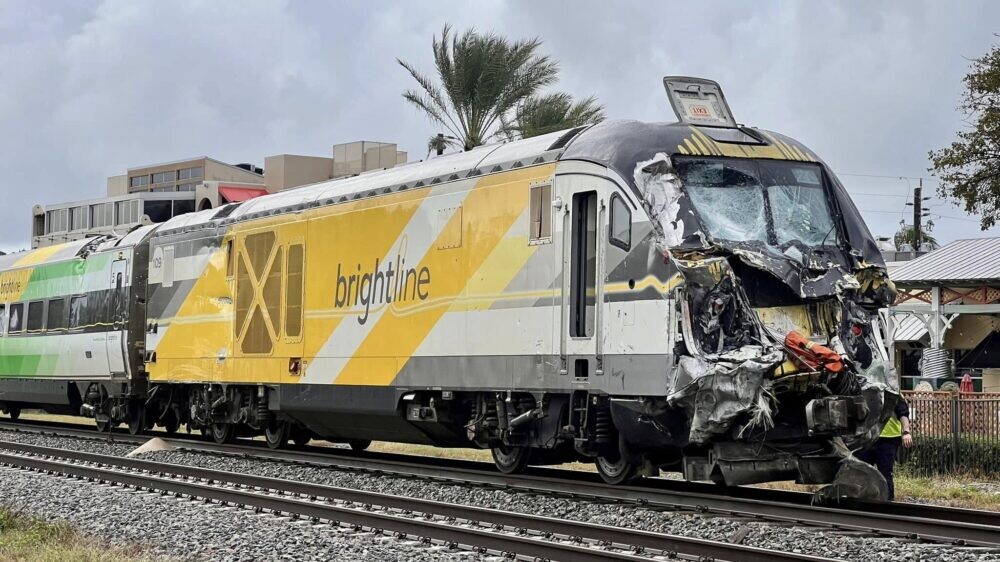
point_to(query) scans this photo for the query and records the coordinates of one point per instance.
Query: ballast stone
(153, 445)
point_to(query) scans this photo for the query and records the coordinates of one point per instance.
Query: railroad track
(459, 526)
(916, 522)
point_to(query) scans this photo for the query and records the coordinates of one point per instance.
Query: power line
(886, 177)
(954, 218)
(933, 215)
(879, 194)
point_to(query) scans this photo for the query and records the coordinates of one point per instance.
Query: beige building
(157, 192)
(143, 195)
(285, 171)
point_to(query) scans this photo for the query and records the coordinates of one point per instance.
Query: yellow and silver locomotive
(697, 296)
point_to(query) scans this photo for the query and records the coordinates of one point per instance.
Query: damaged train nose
(780, 372)
(765, 405)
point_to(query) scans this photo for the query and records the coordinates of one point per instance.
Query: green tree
(481, 79)
(969, 169)
(542, 114)
(905, 236)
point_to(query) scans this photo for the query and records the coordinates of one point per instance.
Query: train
(697, 296)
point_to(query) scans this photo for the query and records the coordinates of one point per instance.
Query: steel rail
(158, 475)
(929, 523)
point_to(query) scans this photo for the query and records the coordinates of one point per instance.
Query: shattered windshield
(773, 202)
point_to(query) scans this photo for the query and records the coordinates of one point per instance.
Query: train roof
(615, 144)
(72, 250)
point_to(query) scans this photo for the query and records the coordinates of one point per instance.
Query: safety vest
(892, 428)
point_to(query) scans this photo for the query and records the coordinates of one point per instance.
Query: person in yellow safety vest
(883, 453)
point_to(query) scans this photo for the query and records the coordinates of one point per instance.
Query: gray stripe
(634, 375)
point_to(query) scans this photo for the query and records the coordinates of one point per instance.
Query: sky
(89, 88)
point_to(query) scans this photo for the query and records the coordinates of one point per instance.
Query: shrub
(935, 455)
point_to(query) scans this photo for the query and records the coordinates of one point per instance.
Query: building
(143, 195)
(285, 171)
(947, 315)
(157, 192)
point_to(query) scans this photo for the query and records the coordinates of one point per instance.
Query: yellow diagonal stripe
(496, 202)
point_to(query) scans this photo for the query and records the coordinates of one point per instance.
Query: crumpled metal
(715, 390)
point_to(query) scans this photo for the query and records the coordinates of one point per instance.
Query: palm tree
(482, 79)
(538, 115)
(905, 236)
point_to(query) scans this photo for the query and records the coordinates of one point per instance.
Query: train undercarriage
(625, 437)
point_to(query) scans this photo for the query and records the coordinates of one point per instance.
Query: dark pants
(883, 456)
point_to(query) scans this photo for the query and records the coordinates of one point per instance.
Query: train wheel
(509, 459)
(359, 444)
(618, 471)
(301, 436)
(222, 432)
(615, 467)
(137, 421)
(14, 413)
(170, 422)
(276, 433)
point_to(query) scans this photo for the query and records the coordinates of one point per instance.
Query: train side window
(16, 318)
(293, 291)
(36, 316)
(78, 312)
(540, 213)
(3, 318)
(583, 273)
(621, 223)
(55, 319)
(230, 259)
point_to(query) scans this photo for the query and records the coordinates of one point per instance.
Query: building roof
(129, 171)
(969, 261)
(908, 328)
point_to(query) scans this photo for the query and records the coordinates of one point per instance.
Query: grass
(27, 539)
(953, 490)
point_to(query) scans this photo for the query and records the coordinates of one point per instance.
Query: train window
(78, 312)
(16, 318)
(3, 317)
(293, 291)
(583, 275)
(540, 213)
(36, 316)
(56, 317)
(621, 223)
(230, 258)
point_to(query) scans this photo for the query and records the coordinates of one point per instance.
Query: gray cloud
(91, 88)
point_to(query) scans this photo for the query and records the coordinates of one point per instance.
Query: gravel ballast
(179, 529)
(763, 535)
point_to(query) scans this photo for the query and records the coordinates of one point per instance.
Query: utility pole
(918, 209)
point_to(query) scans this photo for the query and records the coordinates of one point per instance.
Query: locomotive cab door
(117, 317)
(581, 241)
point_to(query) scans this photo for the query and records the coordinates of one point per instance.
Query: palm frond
(482, 80)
